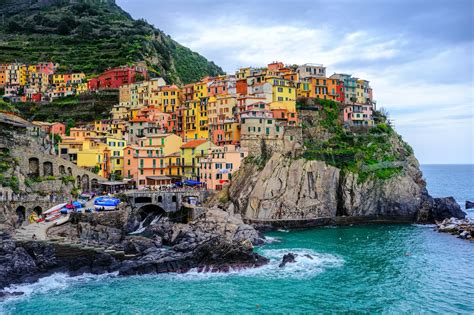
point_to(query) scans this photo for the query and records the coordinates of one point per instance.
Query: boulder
(287, 258)
(138, 244)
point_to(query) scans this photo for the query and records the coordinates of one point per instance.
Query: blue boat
(106, 203)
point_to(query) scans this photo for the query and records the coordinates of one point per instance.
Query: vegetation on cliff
(84, 108)
(7, 166)
(91, 36)
(370, 152)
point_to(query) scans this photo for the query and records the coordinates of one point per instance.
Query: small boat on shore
(106, 203)
(53, 216)
(54, 209)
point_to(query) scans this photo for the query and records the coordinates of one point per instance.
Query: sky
(417, 54)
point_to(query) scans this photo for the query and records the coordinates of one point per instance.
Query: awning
(113, 183)
(191, 182)
(158, 177)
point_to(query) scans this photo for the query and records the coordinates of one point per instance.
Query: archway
(148, 209)
(160, 198)
(33, 167)
(48, 169)
(69, 171)
(85, 182)
(78, 181)
(21, 214)
(62, 170)
(145, 216)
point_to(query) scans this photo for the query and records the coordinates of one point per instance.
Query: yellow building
(91, 155)
(191, 152)
(116, 146)
(23, 78)
(303, 89)
(167, 143)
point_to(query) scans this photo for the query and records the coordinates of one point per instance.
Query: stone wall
(290, 142)
(34, 161)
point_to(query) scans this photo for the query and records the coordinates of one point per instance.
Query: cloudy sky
(418, 55)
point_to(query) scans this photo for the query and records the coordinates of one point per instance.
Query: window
(280, 89)
(269, 121)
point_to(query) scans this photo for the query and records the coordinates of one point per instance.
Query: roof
(14, 120)
(161, 135)
(193, 144)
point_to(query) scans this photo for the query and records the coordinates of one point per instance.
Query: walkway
(26, 233)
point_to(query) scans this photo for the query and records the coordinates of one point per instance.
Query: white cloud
(242, 43)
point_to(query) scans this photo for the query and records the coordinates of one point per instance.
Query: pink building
(358, 115)
(217, 168)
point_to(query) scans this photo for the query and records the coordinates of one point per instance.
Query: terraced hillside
(91, 36)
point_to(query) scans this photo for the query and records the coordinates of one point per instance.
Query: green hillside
(91, 36)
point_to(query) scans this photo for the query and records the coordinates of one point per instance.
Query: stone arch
(160, 198)
(145, 216)
(33, 167)
(174, 199)
(85, 182)
(148, 209)
(78, 181)
(94, 184)
(48, 169)
(62, 170)
(38, 210)
(69, 171)
(21, 214)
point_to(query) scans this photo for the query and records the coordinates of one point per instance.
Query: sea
(402, 268)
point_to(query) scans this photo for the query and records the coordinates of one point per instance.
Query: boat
(62, 220)
(53, 216)
(106, 203)
(54, 209)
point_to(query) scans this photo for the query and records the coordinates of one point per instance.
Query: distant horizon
(417, 57)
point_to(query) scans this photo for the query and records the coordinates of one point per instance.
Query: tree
(69, 124)
(63, 28)
(14, 26)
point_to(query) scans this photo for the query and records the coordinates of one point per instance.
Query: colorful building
(217, 168)
(191, 153)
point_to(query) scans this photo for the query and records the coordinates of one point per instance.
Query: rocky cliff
(374, 176)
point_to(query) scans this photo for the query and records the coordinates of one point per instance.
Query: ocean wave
(52, 283)
(308, 264)
(271, 239)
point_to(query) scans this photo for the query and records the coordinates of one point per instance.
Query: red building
(241, 86)
(116, 77)
(340, 95)
(36, 97)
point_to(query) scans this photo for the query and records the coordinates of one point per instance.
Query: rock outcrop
(217, 241)
(464, 229)
(288, 189)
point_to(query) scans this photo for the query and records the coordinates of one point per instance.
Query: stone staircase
(38, 230)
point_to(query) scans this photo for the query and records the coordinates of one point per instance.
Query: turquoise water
(378, 269)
